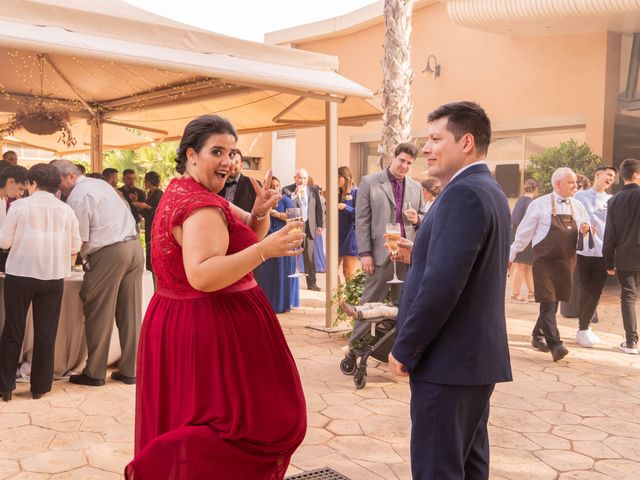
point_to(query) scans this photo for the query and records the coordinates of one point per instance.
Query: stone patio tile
(59, 419)
(403, 449)
(628, 413)
(614, 426)
(54, 461)
(583, 410)
(8, 468)
(97, 423)
(344, 427)
(389, 429)
(579, 432)
(111, 403)
(86, 473)
(373, 392)
(595, 450)
(317, 436)
(501, 437)
(386, 406)
(364, 448)
(626, 447)
(582, 475)
(555, 417)
(402, 470)
(75, 440)
(619, 469)
(563, 460)
(345, 412)
(506, 400)
(31, 476)
(381, 469)
(547, 440)
(340, 398)
(398, 391)
(518, 421)
(316, 420)
(112, 457)
(545, 404)
(519, 465)
(11, 420)
(20, 442)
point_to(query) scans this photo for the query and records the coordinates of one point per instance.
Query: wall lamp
(435, 69)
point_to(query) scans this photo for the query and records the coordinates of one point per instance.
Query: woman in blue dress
(348, 244)
(273, 275)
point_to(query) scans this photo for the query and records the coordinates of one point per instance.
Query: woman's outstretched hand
(266, 198)
(286, 242)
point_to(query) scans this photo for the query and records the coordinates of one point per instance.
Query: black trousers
(308, 257)
(547, 325)
(46, 296)
(592, 275)
(449, 438)
(628, 295)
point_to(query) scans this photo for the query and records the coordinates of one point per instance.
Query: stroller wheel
(348, 365)
(360, 378)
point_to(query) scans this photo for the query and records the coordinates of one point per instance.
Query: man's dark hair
(45, 176)
(197, 132)
(97, 175)
(17, 172)
(127, 171)
(153, 178)
(82, 168)
(628, 168)
(463, 118)
(408, 148)
(7, 153)
(107, 172)
(530, 185)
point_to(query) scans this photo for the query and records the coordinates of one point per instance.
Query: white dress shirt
(537, 221)
(595, 204)
(42, 233)
(3, 210)
(104, 218)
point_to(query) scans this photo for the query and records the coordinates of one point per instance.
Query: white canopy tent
(124, 78)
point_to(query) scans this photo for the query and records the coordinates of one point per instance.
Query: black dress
(153, 200)
(525, 256)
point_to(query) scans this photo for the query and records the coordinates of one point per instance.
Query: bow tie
(563, 200)
(232, 182)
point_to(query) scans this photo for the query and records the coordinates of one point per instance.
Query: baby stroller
(376, 343)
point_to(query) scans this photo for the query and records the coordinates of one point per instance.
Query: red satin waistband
(241, 287)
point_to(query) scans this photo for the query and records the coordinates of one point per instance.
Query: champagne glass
(295, 215)
(394, 234)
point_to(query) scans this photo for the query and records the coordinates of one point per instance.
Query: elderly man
(552, 223)
(9, 158)
(113, 263)
(307, 198)
(622, 248)
(591, 269)
(238, 188)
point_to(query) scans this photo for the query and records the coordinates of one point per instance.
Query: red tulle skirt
(218, 392)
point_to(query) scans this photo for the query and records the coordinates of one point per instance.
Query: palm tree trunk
(398, 75)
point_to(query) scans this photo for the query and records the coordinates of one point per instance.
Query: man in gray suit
(307, 198)
(386, 197)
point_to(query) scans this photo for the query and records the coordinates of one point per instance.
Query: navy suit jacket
(451, 322)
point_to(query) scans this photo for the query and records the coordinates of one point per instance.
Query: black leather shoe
(558, 352)
(122, 378)
(6, 396)
(36, 396)
(315, 288)
(540, 344)
(82, 379)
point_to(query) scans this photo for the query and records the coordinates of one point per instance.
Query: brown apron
(554, 258)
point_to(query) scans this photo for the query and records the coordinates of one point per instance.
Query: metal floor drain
(319, 474)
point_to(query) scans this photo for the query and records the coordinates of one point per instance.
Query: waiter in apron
(556, 225)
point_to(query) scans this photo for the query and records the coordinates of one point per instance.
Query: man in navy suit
(452, 339)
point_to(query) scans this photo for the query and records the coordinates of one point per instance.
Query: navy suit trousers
(449, 438)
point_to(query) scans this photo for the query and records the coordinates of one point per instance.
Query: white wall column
(331, 236)
(283, 155)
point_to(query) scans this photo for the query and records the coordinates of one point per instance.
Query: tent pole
(96, 143)
(331, 235)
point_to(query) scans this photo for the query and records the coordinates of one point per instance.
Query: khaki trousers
(113, 288)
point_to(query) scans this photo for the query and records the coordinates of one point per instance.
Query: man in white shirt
(114, 263)
(592, 271)
(551, 224)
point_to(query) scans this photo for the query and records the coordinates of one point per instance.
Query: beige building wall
(530, 84)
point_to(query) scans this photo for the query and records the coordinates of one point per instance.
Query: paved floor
(578, 419)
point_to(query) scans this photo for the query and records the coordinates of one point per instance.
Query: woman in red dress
(218, 392)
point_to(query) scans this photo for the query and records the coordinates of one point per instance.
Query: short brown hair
(45, 176)
(628, 168)
(530, 186)
(406, 147)
(432, 185)
(463, 118)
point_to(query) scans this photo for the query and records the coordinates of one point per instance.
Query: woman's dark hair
(45, 176)
(432, 185)
(197, 132)
(17, 172)
(530, 186)
(153, 178)
(345, 172)
(97, 175)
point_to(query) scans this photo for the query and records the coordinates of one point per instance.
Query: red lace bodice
(182, 197)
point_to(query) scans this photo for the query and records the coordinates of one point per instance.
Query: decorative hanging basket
(39, 120)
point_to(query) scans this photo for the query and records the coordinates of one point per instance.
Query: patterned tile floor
(578, 419)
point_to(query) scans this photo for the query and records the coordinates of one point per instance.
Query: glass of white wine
(394, 233)
(295, 215)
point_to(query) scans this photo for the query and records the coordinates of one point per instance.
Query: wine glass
(295, 215)
(394, 233)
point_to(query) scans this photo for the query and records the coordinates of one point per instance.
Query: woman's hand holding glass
(286, 242)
